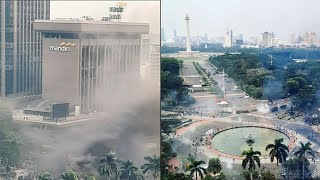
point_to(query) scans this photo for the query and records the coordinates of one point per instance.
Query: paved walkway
(183, 130)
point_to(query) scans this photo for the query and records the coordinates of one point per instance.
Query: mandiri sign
(63, 47)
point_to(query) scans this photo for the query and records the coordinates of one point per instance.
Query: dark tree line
(257, 77)
(172, 89)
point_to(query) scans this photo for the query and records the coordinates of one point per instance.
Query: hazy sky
(137, 11)
(247, 17)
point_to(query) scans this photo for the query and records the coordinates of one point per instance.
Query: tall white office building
(228, 38)
(21, 47)
(267, 39)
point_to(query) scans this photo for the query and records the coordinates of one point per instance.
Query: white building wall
(228, 38)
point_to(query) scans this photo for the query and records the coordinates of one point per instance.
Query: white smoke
(263, 108)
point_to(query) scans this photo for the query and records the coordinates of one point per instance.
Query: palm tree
(128, 171)
(44, 176)
(214, 166)
(195, 168)
(153, 166)
(89, 178)
(278, 151)
(70, 175)
(252, 157)
(109, 165)
(302, 152)
(139, 175)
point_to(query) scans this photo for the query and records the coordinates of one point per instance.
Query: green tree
(302, 152)
(89, 178)
(214, 166)
(268, 176)
(222, 176)
(44, 176)
(249, 175)
(165, 155)
(108, 165)
(208, 177)
(291, 166)
(139, 175)
(152, 167)
(128, 171)
(278, 151)
(10, 142)
(294, 167)
(293, 86)
(175, 176)
(252, 157)
(170, 81)
(195, 168)
(70, 175)
(306, 95)
(171, 65)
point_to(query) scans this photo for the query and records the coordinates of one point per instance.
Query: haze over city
(247, 17)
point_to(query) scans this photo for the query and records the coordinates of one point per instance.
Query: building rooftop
(90, 27)
(41, 105)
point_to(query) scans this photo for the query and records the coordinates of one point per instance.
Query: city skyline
(250, 18)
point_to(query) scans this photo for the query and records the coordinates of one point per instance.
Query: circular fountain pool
(235, 141)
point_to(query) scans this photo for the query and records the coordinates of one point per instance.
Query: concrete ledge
(90, 27)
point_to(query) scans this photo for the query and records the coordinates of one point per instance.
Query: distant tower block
(188, 33)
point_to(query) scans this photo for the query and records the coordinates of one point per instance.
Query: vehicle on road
(274, 109)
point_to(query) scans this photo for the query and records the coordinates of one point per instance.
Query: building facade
(310, 38)
(228, 38)
(85, 60)
(21, 47)
(293, 39)
(267, 39)
(163, 38)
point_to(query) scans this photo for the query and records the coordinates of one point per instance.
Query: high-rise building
(82, 62)
(310, 38)
(267, 39)
(175, 38)
(240, 36)
(293, 39)
(239, 42)
(252, 40)
(163, 38)
(21, 47)
(300, 39)
(206, 39)
(228, 39)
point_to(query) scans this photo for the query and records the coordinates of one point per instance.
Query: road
(206, 105)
